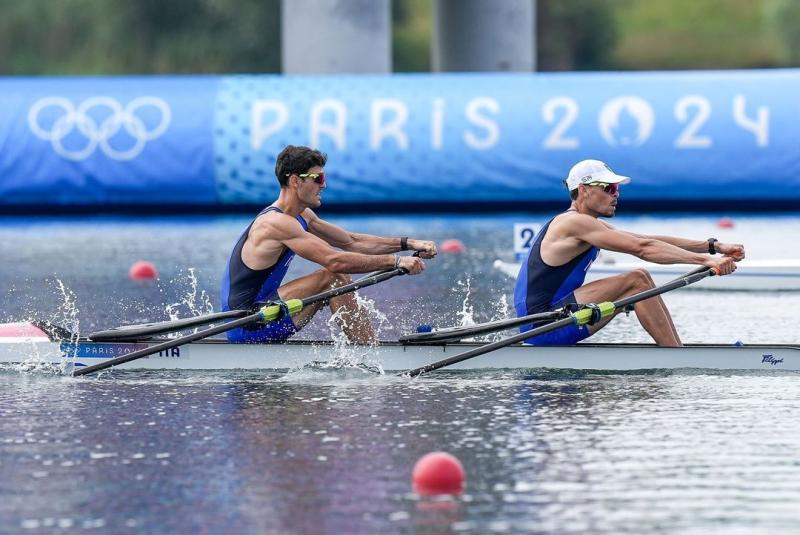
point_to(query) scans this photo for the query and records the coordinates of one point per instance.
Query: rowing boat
(28, 345)
(750, 275)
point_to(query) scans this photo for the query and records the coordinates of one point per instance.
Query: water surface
(331, 451)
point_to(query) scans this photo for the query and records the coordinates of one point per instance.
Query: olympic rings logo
(99, 120)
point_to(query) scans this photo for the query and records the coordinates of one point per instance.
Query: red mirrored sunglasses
(319, 178)
(611, 189)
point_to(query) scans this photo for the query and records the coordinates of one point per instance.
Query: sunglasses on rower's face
(319, 178)
(611, 189)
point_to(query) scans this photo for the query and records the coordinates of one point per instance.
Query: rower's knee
(335, 280)
(639, 280)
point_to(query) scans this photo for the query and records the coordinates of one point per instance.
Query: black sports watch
(711, 248)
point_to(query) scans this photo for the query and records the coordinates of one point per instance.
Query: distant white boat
(750, 275)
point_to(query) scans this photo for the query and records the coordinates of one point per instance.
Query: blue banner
(460, 138)
(96, 141)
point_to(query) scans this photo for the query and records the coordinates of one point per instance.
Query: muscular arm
(349, 241)
(734, 250)
(271, 232)
(649, 248)
(693, 246)
(362, 243)
(275, 229)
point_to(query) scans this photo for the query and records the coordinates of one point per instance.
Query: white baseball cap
(588, 171)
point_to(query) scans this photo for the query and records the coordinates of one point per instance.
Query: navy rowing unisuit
(243, 288)
(541, 287)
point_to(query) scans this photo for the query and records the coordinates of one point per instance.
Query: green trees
(229, 36)
(783, 20)
(142, 36)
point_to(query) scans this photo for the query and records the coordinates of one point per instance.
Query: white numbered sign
(524, 235)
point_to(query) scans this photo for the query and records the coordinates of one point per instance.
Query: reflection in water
(543, 451)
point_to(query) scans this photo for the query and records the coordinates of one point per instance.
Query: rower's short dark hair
(573, 194)
(296, 159)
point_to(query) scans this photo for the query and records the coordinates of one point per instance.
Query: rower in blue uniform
(261, 257)
(554, 273)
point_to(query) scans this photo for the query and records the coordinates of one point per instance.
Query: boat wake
(328, 372)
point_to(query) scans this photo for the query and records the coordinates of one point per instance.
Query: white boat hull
(751, 275)
(390, 356)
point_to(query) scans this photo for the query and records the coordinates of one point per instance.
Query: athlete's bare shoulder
(309, 215)
(572, 224)
(274, 225)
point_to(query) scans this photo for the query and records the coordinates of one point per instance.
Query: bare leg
(651, 313)
(353, 320)
(668, 316)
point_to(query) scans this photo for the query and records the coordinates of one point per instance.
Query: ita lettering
(174, 352)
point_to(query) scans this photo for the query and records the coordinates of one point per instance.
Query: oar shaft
(680, 282)
(459, 333)
(136, 332)
(478, 351)
(363, 282)
(163, 346)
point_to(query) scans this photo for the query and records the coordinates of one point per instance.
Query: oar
(591, 313)
(144, 330)
(453, 334)
(266, 313)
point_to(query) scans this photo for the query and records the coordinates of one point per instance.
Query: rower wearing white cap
(565, 247)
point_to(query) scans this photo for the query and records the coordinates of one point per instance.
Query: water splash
(345, 354)
(502, 310)
(66, 316)
(195, 302)
(343, 359)
(466, 315)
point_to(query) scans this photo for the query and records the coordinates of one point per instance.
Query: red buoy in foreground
(142, 271)
(438, 473)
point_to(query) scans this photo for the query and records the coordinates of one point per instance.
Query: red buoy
(438, 473)
(453, 246)
(725, 222)
(142, 271)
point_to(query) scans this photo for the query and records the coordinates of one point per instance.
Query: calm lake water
(313, 451)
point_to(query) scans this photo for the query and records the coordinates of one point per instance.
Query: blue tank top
(242, 287)
(540, 286)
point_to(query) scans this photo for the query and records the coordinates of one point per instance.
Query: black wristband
(711, 248)
(404, 243)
